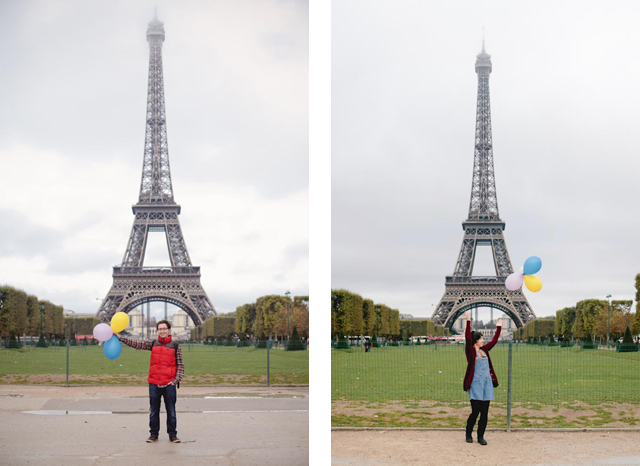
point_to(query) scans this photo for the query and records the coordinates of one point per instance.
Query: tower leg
(476, 308)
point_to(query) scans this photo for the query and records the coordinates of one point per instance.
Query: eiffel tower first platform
(483, 227)
(156, 211)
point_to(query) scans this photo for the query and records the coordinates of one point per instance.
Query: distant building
(489, 329)
(181, 325)
(70, 313)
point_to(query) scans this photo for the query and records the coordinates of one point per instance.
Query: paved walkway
(80, 426)
(448, 448)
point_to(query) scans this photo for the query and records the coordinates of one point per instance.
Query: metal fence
(269, 363)
(551, 375)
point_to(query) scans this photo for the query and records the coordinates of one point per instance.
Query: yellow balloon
(533, 283)
(119, 322)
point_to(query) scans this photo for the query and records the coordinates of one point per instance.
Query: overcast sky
(72, 126)
(565, 95)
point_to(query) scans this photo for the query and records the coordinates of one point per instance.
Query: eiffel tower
(483, 227)
(156, 211)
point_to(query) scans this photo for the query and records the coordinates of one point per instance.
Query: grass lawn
(203, 365)
(421, 386)
(548, 375)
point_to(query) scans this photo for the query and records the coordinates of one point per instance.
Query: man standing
(165, 372)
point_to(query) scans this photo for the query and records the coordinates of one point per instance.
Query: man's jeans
(169, 394)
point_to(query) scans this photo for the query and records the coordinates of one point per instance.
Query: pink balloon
(514, 281)
(102, 332)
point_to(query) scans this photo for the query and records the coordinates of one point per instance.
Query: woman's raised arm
(493, 342)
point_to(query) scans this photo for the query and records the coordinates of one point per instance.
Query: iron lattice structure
(156, 211)
(483, 227)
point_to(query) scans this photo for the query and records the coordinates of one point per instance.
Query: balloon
(112, 348)
(534, 284)
(102, 332)
(119, 322)
(532, 265)
(514, 281)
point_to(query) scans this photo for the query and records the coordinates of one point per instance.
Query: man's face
(163, 330)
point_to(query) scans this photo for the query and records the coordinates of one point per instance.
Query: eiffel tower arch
(483, 227)
(156, 211)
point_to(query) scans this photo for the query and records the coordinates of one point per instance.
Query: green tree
(568, 321)
(295, 344)
(589, 311)
(368, 316)
(394, 322)
(13, 311)
(33, 315)
(300, 318)
(245, 318)
(627, 343)
(262, 341)
(346, 313)
(558, 323)
(383, 313)
(268, 310)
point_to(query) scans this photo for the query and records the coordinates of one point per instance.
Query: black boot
(469, 438)
(482, 441)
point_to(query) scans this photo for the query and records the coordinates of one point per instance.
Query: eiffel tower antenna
(156, 211)
(483, 227)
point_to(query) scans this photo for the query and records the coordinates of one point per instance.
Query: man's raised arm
(137, 344)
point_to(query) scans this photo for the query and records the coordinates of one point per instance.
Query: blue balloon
(112, 347)
(532, 265)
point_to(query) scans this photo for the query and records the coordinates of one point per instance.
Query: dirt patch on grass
(8, 393)
(126, 379)
(454, 415)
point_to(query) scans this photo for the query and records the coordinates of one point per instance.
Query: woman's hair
(475, 336)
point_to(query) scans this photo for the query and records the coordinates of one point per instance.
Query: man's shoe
(174, 439)
(469, 439)
(482, 441)
(152, 439)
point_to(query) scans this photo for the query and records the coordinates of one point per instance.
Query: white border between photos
(319, 231)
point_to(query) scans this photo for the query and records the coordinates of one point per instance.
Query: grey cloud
(74, 85)
(75, 81)
(21, 237)
(565, 147)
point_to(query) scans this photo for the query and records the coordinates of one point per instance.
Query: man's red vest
(163, 368)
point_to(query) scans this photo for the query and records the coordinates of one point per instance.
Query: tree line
(353, 315)
(24, 314)
(268, 316)
(419, 328)
(587, 320)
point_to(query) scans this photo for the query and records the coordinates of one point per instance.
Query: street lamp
(287, 293)
(41, 314)
(608, 317)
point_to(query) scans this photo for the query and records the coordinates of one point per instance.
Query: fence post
(268, 380)
(67, 363)
(509, 390)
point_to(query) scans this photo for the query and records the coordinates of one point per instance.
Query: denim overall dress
(481, 386)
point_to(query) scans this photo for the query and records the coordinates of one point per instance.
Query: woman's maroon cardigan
(471, 357)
